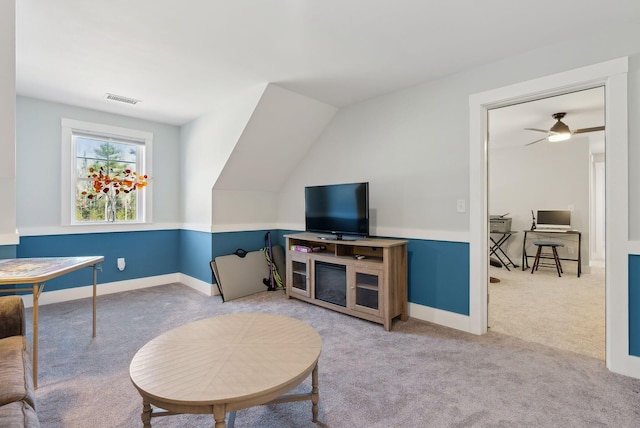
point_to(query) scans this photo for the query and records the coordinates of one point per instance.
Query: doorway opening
(613, 76)
(529, 175)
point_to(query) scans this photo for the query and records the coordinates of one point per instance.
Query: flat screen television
(554, 219)
(338, 209)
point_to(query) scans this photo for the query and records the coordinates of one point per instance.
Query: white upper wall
(542, 176)
(402, 146)
(39, 154)
(412, 145)
(282, 128)
(236, 158)
(205, 146)
(8, 235)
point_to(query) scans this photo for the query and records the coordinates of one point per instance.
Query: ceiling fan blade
(537, 141)
(546, 131)
(584, 130)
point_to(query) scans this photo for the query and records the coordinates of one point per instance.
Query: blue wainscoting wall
(197, 249)
(195, 254)
(634, 305)
(8, 251)
(439, 275)
(225, 243)
(147, 253)
(438, 270)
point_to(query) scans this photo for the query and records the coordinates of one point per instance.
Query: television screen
(554, 219)
(340, 209)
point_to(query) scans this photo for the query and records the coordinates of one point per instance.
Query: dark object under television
(338, 209)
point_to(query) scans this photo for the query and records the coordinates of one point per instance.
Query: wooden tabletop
(41, 269)
(240, 360)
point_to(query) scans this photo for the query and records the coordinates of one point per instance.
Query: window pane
(100, 208)
(110, 158)
(86, 146)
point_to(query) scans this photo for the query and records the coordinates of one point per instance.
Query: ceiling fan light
(560, 128)
(554, 138)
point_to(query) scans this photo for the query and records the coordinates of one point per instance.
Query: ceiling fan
(560, 131)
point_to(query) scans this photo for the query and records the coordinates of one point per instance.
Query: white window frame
(68, 161)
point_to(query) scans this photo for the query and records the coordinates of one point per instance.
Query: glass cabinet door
(366, 290)
(300, 275)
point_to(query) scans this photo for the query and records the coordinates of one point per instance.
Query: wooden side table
(226, 363)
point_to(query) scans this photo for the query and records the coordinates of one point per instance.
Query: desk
(557, 233)
(37, 271)
(227, 363)
(496, 247)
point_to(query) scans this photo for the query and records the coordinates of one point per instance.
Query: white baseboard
(198, 285)
(438, 316)
(628, 366)
(57, 296)
(9, 238)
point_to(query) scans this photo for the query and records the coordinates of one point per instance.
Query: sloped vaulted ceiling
(282, 128)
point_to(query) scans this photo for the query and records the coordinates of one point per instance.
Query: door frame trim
(613, 76)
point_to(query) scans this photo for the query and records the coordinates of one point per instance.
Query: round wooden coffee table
(226, 363)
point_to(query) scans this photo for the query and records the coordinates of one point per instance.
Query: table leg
(146, 414)
(36, 296)
(95, 277)
(219, 413)
(315, 396)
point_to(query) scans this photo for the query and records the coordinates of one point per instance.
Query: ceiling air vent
(122, 99)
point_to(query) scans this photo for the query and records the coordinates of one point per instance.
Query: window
(105, 164)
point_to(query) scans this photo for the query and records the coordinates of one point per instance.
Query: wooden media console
(365, 278)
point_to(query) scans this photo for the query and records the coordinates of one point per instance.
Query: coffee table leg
(315, 396)
(146, 414)
(219, 411)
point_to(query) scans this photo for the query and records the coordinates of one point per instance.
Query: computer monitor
(553, 219)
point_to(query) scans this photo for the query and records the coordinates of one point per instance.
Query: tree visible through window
(112, 157)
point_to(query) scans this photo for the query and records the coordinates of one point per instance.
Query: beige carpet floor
(566, 313)
(417, 375)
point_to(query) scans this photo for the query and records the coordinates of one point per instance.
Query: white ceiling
(183, 58)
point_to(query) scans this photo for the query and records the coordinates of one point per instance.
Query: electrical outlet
(460, 206)
(121, 264)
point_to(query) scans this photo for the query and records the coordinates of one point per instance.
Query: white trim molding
(68, 127)
(634, 248)
(94, 228)
(246, 227)
(198, 285)
(83, 292)
(424, 234)
(10, 238)
(613, 76)
(403, 233)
